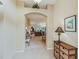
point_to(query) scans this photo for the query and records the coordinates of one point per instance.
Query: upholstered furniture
(66, 51)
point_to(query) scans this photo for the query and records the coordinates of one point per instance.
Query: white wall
(63, 9)
(20, 41)
(9, 29)
(20, 27)
(50, 26)
(1, 30)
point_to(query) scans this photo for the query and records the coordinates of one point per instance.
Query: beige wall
(63, 9)
(55, 17)
(21, 11)
(50, 26)
(20, 31)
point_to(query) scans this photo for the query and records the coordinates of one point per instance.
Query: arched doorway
(38, 22)
(20, 42)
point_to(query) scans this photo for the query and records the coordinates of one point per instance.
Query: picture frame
(70, 24)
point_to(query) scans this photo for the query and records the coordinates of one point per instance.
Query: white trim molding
(49, 48)
(19, 50)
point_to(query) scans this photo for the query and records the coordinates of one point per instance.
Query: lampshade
(59, 30)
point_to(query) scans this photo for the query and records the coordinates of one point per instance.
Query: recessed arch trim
(36, 13)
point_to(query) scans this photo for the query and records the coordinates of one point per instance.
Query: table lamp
(59, 30)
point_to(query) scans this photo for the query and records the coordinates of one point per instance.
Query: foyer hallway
(36, 50)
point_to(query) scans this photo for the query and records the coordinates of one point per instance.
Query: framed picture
(70, 24)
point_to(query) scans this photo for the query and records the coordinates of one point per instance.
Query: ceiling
(36, 18)
(43, 4)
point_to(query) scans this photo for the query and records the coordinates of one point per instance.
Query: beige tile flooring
(36, 50)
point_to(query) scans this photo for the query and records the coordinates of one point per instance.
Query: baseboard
(49, 48)
(19, 50)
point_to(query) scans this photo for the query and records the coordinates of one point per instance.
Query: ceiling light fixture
(36, 2)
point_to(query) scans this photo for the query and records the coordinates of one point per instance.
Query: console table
(66, 51)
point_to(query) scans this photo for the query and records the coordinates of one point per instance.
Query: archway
(37, 13)
(33, 19)
(40, 13)
(20, 43)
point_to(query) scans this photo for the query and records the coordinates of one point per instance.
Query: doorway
(35, 27)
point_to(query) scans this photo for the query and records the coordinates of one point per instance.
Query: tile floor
(36, 50)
